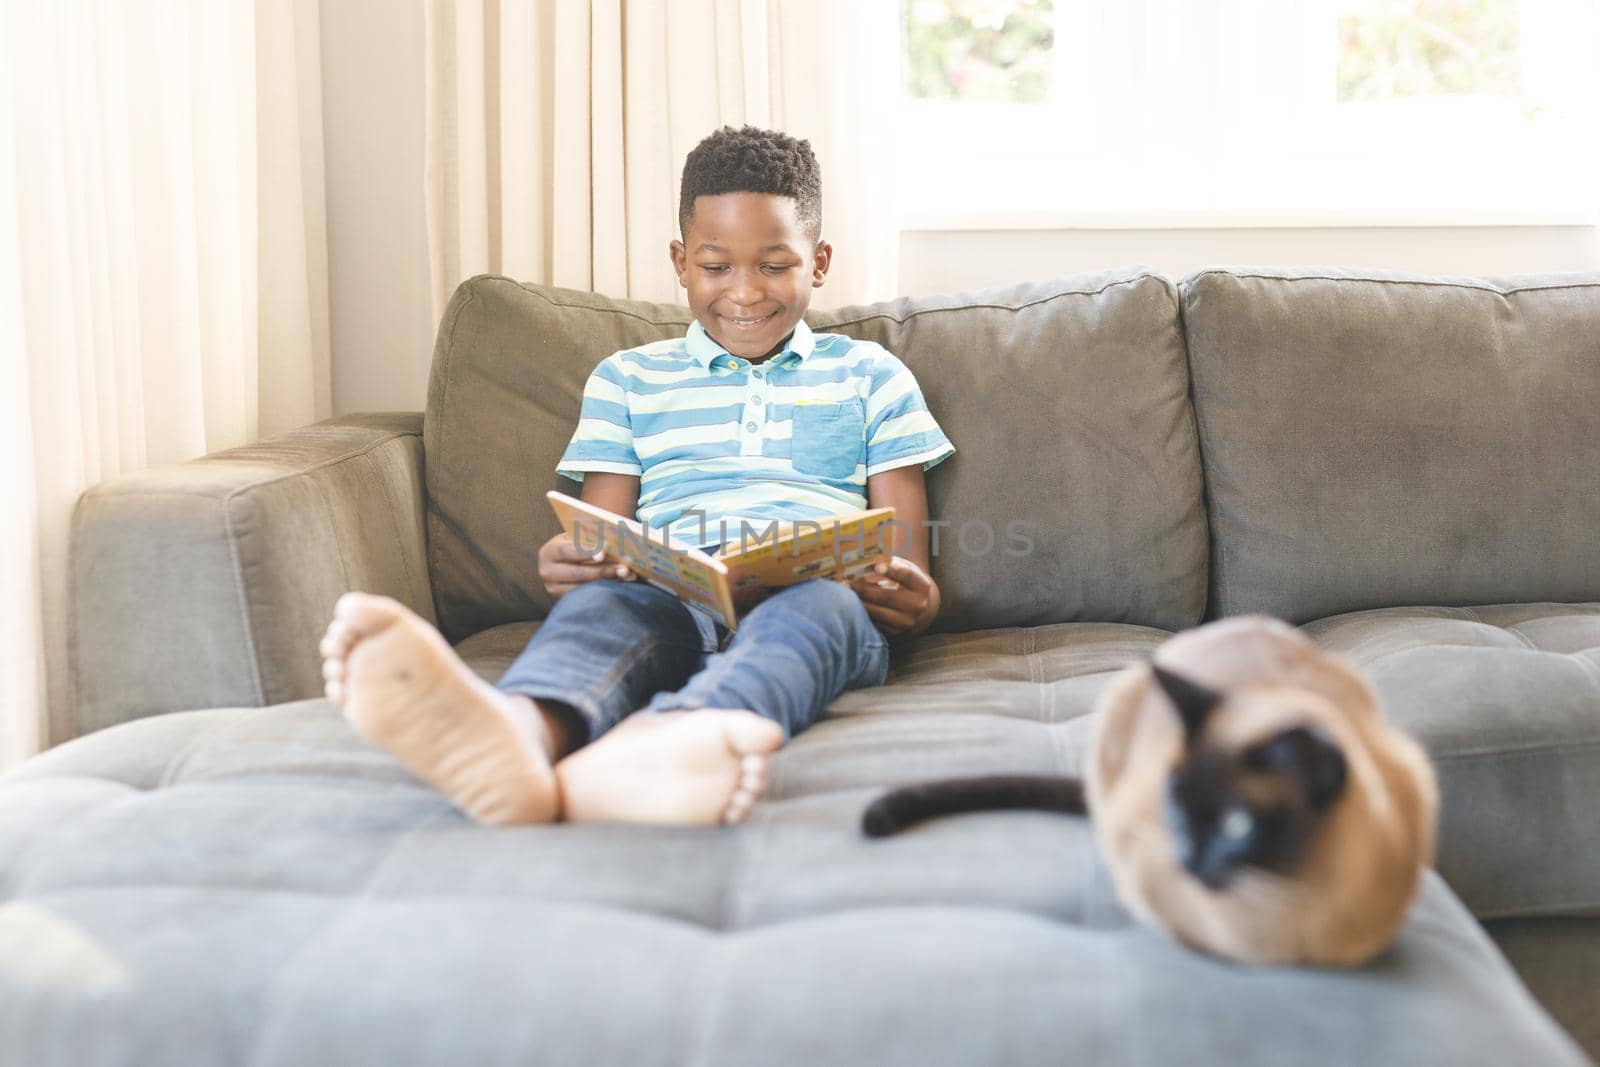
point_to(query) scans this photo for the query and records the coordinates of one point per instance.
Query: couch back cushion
(1374, 439)
(1074, 493)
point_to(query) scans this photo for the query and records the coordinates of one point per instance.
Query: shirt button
(756, 400)
(750, 426)
(757, 372)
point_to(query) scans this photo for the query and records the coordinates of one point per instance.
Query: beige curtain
(163, 274)
(557, 131)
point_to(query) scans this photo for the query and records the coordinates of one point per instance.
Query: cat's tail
(908, 805)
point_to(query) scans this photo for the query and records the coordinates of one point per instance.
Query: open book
(768, 558)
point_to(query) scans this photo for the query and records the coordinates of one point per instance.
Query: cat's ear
(1193, 701)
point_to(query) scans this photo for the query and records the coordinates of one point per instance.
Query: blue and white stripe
(793, 437)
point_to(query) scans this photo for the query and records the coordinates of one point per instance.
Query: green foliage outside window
(1001, 50)
(992, 50)
(1399, 48)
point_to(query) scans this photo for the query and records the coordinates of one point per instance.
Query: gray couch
(219, 871)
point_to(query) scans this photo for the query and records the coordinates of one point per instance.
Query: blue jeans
(610, 648)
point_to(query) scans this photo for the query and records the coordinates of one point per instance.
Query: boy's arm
(617, 493)
(904, 490)
(909, 602)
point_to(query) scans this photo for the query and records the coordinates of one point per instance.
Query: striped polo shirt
(718, 441)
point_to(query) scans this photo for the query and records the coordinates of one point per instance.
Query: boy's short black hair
(751, 160)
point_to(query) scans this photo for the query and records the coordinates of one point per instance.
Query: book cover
(769, 558)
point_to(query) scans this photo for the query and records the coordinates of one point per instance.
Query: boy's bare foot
(404, 688)
(685, 768)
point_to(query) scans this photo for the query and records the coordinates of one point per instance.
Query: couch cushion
(1375, 439)
(1067, 402)
(1015, 671)
(491, 652)
(259, 886)
(1559, 961)
(1506, 699)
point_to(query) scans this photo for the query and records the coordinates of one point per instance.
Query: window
(1249, 112)
(996, 89)
(976, 50)
(1393, 50)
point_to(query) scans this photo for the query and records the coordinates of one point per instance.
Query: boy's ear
(821, 256)
(680, 259)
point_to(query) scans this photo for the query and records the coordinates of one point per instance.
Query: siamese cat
(1247, 794)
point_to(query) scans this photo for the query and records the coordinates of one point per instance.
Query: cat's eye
(1236, 825)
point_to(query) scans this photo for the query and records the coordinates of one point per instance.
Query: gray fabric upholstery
(1506, 699)
(209, 583)
(1094, 455)
(258, 886)
(1559, 960)
(253, 884)
(1375, 439)
(1503, 697)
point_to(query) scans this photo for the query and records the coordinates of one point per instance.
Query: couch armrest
(209, 583)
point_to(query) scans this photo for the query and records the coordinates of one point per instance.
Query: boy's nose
(745, 292)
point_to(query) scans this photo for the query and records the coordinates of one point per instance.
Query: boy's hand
(898, 595)
(563, 566)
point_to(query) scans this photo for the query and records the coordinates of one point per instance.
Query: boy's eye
(722, 268)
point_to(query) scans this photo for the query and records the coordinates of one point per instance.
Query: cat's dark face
(1258, 806)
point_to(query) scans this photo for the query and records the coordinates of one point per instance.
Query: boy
(750, 418)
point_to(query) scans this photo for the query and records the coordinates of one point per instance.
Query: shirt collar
(705, 351)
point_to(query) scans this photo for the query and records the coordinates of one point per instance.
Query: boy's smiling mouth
(748, 323)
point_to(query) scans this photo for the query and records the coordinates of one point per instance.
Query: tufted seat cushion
(257, 885)
(1506, 698)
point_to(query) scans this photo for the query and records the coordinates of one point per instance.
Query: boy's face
(749, 268)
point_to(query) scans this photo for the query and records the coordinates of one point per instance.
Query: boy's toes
(752, 783)
(334, 691)
(749, 734)
(738, 807)
(364, 614)
(753, 775)
(337, 640)
(753, 738)
(355, 616)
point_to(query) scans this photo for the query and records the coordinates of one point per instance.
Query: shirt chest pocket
(828, 440)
